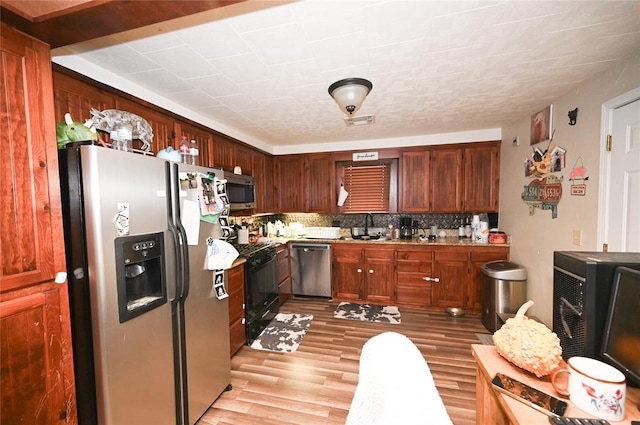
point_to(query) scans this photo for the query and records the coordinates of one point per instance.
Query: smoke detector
(361, 120)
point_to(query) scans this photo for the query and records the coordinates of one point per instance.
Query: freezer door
(206, 318)
(133, 359)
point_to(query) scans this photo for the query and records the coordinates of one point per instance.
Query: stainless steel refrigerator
(150, 335)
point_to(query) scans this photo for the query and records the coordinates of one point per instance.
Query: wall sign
(365, 156)
(544, 194)
(578, 178)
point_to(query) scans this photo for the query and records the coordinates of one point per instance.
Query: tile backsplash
(347, 221)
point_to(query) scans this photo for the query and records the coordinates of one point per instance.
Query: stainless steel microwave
(240, 191)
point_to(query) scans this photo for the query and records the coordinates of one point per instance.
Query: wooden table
(494, 408)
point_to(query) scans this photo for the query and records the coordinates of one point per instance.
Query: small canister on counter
(497, 237)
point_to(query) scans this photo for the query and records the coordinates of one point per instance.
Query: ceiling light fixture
(350, 93)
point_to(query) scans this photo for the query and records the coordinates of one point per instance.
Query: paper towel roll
(342, 196)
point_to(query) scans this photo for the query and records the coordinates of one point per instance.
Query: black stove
(260, 286)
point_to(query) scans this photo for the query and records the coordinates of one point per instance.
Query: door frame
(606, 120)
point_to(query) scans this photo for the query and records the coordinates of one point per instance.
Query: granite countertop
(447, 241)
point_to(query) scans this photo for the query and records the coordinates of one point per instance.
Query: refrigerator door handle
(174, 232)
(184, 247)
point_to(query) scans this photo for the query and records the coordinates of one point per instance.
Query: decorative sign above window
(365, 156)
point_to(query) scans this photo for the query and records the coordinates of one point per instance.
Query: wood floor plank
(315, 384)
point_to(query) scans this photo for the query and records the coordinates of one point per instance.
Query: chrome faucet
(366, 223)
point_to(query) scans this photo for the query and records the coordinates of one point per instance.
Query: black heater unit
(582, 283)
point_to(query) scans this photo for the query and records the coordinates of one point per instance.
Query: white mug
(595, 387)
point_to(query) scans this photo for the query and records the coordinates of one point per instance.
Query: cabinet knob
(431, 279)
(359, 270)
(61, 277)
(371, 271)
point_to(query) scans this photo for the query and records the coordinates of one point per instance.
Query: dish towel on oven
(395, 385)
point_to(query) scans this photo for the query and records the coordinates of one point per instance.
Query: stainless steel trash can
(503, 290)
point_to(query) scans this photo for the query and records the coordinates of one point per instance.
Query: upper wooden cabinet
(262, 165)
(482, 177)
(289, 183)
(78, 98)
(415, 183)
(229, 154)
(460, 178)
(203, 138)
(224, 153)
(162, 125)
(446, 180)
(304, 183)
(319, 190)
(37, 383)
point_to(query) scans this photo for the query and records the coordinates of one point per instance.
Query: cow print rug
(368, 312)
(284, 333)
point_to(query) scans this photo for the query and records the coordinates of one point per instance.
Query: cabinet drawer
(235, 279)
(379, 253)
(422, 255)
(453, 255)
(413, 279)
(282, 269)
(490, 255)
(414, 296)
(414, 266)
(236, 305)
(282, 252)
(346, 251)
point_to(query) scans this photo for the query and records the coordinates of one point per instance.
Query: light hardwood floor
(315, 384)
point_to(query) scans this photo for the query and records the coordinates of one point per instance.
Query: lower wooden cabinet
(414, 276)
(235, 286)
(364, 273)
(283, 273)
(451, 268)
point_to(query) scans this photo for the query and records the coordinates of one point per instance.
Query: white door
(620, 223)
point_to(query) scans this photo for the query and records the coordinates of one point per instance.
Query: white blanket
(395, 386)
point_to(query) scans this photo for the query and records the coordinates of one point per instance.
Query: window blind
(368, 187)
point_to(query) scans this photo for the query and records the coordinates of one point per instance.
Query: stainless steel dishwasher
(311, 269)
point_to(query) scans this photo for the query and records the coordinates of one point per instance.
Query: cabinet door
(415, 181)
(203, 139)
(162, 125)
(235, 287)
(482, 177)
(223, 153)
(414, 271)
(283, 273)
(379, 271)
(319, 190)
(244, 159)
(78, 98)
(446, 180)
(478, 257)
(37, 383)
(452, 270)
(347, 272)
(290, 183)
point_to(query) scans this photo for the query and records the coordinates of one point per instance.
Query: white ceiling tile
(214, 40)
(243, 68)
(436, 66)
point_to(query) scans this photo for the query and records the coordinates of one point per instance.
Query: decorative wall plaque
(544, 194)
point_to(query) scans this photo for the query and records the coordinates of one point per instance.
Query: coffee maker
(406, 231)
